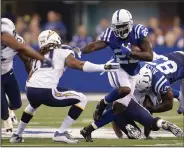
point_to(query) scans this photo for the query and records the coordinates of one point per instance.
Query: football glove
(77, 51)
(111, 66)
(125, 50)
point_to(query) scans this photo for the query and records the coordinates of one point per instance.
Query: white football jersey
(48, 77)
(7, 55)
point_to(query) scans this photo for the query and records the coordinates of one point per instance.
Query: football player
(149, 86)
(41, 86)
(12, 44)
(120, 37)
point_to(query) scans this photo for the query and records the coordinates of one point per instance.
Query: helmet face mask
(122, 23)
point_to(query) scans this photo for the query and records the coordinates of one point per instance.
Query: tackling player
(41, 86)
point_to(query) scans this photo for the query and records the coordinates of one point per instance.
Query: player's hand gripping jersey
(130, 65)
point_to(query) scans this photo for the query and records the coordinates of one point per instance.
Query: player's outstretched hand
(77, 51)
(125, 50)
(48, 62)
(111, 66)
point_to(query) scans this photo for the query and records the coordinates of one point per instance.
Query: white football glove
(78, 51)
(109, 67)
(108, 62)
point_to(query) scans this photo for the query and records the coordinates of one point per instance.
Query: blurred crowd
(30, 27)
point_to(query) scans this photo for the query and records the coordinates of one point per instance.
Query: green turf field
(52, 118)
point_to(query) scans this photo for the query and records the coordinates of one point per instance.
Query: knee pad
(83, 101)
(118, 107)
(30, 110)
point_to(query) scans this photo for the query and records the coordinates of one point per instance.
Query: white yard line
(104, 133)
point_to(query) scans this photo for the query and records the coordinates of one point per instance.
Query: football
(135, 48)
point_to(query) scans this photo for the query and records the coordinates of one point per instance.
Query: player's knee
(30, 110)
(83, 100)
(118, 107)
(15, 106)
(123, 91)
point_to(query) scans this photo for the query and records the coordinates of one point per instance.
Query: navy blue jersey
(172, 66)
(160, 84)
(130, 65)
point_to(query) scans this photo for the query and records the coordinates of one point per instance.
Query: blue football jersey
(172, 66)
(130, 65)
(160, 84)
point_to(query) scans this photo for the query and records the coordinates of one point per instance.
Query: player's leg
(4, 108)
(137, 113)
(13, 92)
(122, 87)
(181, 98)
(33, 96)
(62, 97)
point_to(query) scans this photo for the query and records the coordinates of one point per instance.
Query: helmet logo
(50, 33)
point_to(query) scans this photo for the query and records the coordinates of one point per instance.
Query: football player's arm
(27, 62)
(94, 46)
(117, 130)
(167, 103)
(11, 42)
(146, 53)
(85, 66)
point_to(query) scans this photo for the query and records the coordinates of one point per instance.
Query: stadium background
(82, 22)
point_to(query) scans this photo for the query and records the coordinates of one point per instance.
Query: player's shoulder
(106, 35)
(140, 30)
(7, 26)
(66, 49)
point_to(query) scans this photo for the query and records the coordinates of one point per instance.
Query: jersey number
(42, 64)
(167, 67)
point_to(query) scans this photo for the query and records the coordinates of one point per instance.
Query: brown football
(135, 48)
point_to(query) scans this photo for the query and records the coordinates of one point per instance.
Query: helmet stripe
(118, 15)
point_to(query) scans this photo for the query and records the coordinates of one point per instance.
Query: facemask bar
(122, 30)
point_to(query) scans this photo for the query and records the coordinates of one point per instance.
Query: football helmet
(9, 25)
(143, 80)
(122, 23)
(48, 37)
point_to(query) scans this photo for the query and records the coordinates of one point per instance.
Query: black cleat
(86, 135)
(99, 110)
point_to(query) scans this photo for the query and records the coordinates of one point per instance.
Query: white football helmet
(48, 37)
(143, 80)
(9, 25)
(122, 23)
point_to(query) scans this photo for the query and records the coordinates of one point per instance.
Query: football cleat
(133, 132)
(86, 134)
(8, 125)
(99, 110)
(16, 139)
(172, 128)
(63, 137)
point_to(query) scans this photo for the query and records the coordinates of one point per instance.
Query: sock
(68, 121)
(23, 123)
(159, 123)
(112, 96)
(21, 128)
(107, 117)
(11, 113)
